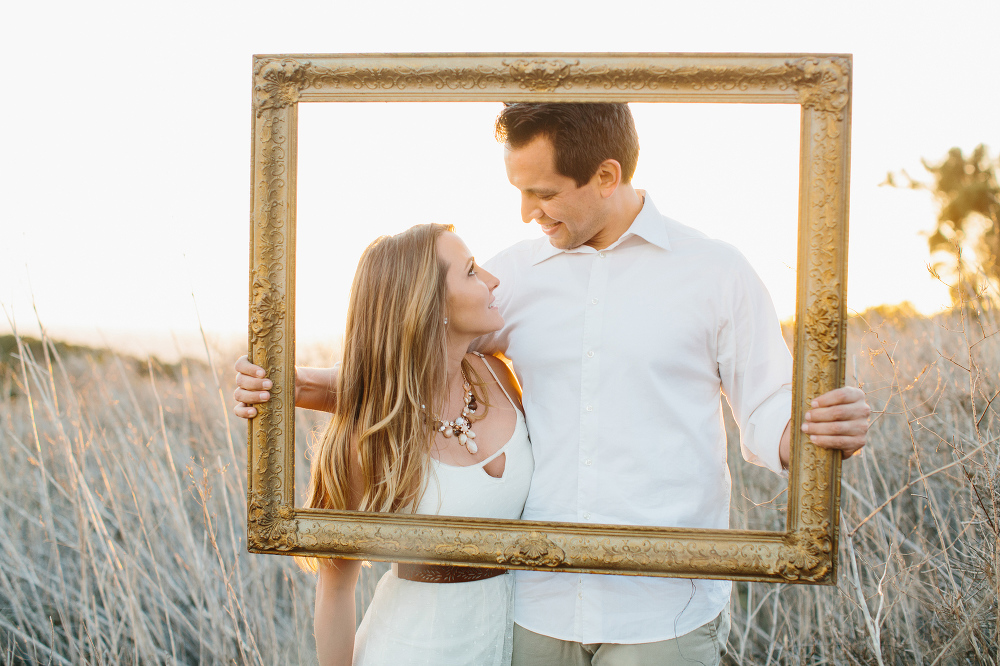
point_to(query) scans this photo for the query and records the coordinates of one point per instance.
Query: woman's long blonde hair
(394, 362)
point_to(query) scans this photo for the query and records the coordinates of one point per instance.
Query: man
(623, 327)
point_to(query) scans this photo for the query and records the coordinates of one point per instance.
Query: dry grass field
(122, 515)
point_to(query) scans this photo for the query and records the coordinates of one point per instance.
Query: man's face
(569, 215)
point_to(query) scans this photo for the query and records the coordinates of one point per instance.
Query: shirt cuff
(765, 426)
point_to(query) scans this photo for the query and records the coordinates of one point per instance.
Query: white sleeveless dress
(452, 624)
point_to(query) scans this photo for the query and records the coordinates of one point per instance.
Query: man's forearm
(316, 388)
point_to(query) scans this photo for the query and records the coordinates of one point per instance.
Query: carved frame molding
(819, 83)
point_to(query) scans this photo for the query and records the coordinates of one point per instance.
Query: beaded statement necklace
(461, 427)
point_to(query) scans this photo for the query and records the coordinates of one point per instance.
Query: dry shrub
(122, 515)
(917, 580)
(122, 519)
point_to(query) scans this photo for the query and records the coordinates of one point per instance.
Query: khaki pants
(706, 645)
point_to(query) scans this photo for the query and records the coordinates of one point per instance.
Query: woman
(419, 426)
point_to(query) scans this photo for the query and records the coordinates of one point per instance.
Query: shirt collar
(648, 225)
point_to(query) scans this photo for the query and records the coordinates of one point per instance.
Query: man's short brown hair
(583, 134)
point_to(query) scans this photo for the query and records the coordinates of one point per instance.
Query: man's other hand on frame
(838, 420)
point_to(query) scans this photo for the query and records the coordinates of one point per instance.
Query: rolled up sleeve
(755, 367)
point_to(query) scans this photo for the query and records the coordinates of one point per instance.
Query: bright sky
(127, 188)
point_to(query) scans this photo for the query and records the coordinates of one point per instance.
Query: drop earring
(445, 321)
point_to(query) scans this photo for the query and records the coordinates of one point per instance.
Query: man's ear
(609, 177)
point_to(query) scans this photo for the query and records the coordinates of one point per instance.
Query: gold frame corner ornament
(819, 83)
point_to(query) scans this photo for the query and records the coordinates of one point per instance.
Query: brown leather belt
(438, 573)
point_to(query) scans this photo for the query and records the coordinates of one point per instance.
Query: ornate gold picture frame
(819, 83)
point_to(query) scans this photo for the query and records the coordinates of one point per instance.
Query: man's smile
(549, 228)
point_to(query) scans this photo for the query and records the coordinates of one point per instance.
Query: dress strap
(496, 454)
(499, 383)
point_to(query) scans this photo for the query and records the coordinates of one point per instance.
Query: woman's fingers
(251, 397)
(251, 377)
(244, 411)
(252, 387)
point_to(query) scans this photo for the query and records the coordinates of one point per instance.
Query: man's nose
(529, 209)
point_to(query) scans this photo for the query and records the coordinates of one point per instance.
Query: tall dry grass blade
(215, 378)
(35, 644)
(145, 543)
(910, 484)
(874, 630)
(43, 490)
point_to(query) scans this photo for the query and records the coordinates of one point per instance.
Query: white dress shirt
(622, 354)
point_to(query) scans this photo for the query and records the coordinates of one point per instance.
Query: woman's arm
(335, 619)
(315, 388)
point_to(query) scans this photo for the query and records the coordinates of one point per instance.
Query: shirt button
(590, 354)
(593, 302)
(590, 408)
(588, 462)
(601, 255)
(586, 515)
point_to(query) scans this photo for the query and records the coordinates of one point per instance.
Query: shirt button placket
(588, 481)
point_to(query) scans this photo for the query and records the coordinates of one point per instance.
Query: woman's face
(471, 311)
